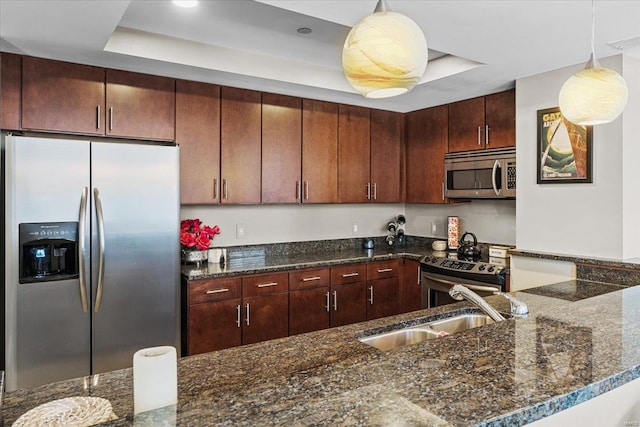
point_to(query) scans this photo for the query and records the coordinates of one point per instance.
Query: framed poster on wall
(564, 149)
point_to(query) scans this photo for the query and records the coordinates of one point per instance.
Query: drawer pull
(351, 275)
(311, 279)
(267, 285)
(217, 291)
(385, 270)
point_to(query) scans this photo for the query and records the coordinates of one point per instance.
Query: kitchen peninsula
(566, 351)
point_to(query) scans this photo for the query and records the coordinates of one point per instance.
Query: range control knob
(490, 270)
(434, 260)
(481, 268)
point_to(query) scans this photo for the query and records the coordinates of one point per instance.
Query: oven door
(435, 287)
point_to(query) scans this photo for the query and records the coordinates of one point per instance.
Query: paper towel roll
(155, 378)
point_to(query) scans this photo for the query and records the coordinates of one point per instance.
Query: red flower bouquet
(195, 236)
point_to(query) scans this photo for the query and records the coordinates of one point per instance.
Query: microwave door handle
(493, 178)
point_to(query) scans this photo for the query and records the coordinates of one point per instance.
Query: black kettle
(468, 249)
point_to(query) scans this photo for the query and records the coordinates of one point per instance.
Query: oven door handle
(470, 286)
(493, 178)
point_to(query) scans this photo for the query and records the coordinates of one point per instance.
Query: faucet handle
(518, 308)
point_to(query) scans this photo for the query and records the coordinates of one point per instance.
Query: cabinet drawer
(214, 290)
(265, 284)
(305, 279)
(383, 269)
(350, 273)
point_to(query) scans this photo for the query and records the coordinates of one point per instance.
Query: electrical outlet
(434, 228)
(354, 229)
(240, 231)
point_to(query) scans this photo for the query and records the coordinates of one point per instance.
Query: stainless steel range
(439, 274)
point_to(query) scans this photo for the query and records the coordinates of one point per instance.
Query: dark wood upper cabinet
(63, 97)
(198, 134)
(140, 106)
(240, 145)
(426, 147)
(319, 151)
(483, 122)
(387, 132)
(10, 87)
(281, 148)
(354, 127)
(500, 118)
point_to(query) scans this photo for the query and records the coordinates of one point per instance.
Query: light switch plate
(240, 231)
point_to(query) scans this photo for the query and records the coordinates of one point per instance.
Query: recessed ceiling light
(304, 31)
(186, 3)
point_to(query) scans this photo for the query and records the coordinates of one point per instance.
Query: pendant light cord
(593, 28)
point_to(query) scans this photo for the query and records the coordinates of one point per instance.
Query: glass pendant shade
(384, 55)
(593, 96)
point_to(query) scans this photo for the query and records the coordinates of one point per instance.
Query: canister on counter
(453, 232)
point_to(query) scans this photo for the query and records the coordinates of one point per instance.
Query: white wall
(491, 221)
(630, 160)
(577, 219)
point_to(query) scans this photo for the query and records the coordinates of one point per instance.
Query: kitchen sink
(431, 330)
(399, 338)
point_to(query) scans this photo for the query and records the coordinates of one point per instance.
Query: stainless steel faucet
(460, 292)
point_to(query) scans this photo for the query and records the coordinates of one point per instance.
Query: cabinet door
(281, 148)
(266, 317)
(500, 118)
(319, 151)
(198, 134)
(387, 133)
(62, 97)
(240, 141)
(466, 125)
(309, 310)
(213, 326)
(10, 81)
(348, 303)
(354, 143)
(140, 106)
(426, 147)
(383, 298)
(411, 286)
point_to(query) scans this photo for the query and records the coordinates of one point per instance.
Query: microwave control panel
(511, 176)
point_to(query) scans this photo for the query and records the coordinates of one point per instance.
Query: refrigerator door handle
(81, 240)
(96, 195)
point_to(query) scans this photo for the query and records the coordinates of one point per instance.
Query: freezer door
(135, 251)
(47, 330)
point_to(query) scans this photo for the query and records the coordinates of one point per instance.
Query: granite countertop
(294, 261)
(631, 263)
(506, 373)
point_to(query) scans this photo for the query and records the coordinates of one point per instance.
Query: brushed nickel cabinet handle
(368, 186)
(111, 118)
(375, 191)
(419, 276)
(442, 190)
(335, 300)
(217, 291)
(371, 295)
(486, 134)
(350, 275)
(311, 279)
(224, 188)
(247, 319)
(98, 115)
(385, 270)
(215, 188)
(479, 135)
(238, 312)
(328, 302)
(297, 190)
(306, 190)
(266, 285)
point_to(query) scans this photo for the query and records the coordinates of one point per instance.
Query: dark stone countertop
(506, 373)
(631, 264)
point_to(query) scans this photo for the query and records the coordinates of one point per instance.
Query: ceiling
(476, 47)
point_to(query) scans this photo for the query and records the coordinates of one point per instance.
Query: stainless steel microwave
(483, 174)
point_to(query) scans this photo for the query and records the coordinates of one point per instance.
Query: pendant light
(595, 95)
(385, 54)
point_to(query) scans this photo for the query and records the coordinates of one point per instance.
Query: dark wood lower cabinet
(411, 286)
(265, 317)
(213, 326)
(383, 298)
(348, 303)
(308, 310)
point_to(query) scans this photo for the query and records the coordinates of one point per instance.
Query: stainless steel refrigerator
(91, 255)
